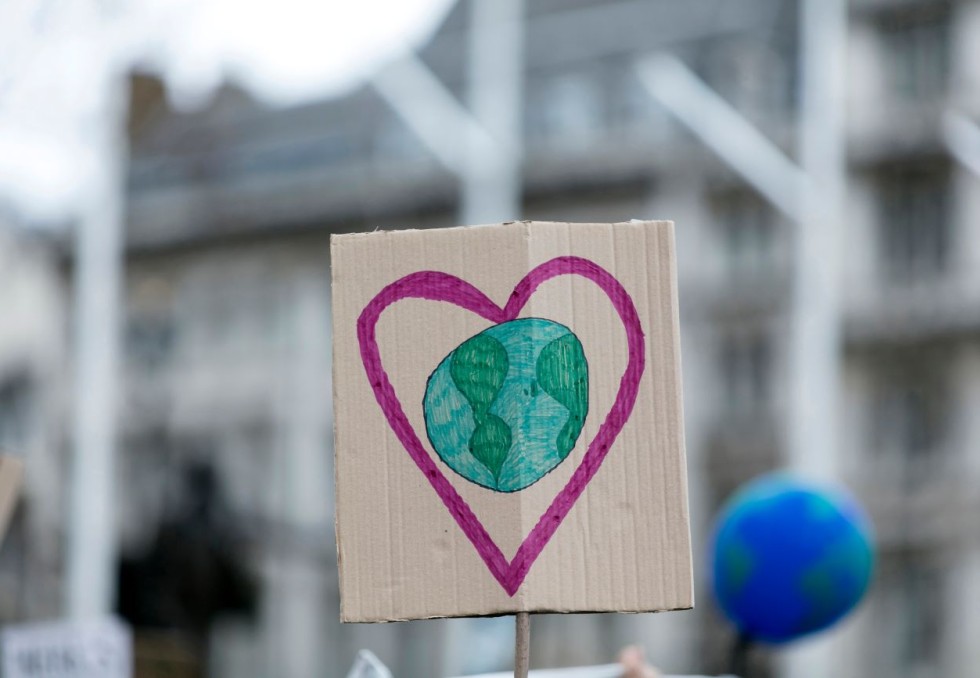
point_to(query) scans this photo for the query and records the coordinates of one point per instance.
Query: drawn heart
(436, 286)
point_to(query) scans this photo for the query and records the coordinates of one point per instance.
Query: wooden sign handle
(522, 645)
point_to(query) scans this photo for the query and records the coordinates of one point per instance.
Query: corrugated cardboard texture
(624, 545)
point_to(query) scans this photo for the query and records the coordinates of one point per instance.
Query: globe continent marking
(790, 559)
(507, 405)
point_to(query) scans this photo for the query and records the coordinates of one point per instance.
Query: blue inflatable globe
(790, 559)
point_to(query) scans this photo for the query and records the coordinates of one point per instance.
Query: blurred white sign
(368, 666)
(96, 649)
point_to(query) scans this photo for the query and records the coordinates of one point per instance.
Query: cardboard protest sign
(508, 421)
(11, 475)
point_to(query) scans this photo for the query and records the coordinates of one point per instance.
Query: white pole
(816, 334)
(431, 111)
(723, 129)
(97, 280)
(814, 196)
(303, 631)
(492, 177)
(815, 350)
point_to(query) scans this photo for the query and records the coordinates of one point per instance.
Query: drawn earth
(436, 286)
(506, 406)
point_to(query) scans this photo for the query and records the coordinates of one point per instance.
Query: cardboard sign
(97, 649)
(509, 428)
(11, 475)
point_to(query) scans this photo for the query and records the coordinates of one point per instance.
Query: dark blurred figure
(191, 575)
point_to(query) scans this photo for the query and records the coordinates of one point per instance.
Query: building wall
(32, 368)
(911, 338)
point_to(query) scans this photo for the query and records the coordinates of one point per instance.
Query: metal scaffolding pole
(815, 349)
(492, 181)
(431, 112)
(481, 143)
(816, 336)
(91, 562)
(723, 129)
(812, 195)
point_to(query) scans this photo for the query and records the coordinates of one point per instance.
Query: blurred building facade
(32, 367)
(227, 322)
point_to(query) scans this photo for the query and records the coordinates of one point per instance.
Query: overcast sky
(61, 60)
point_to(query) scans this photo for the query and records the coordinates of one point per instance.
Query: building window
(150, 341)
(746, 372)
(750, 76)
(911, 616)
(150, 330)
(922, 585)
(915, 222)
(16, 404)
(629, 109)
(226, 312)
(910, 422)
(917, 52)
(747, 230)
(395, 141)
(566, 110)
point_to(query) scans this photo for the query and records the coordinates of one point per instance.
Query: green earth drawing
(507, 405)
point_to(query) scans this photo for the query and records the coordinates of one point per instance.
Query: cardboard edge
(528, 224)
(335, 242)
(511, 612)
(406, 232)
(671, 229)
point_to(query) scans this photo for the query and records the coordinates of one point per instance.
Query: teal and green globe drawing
(507, 405)
(789, 558)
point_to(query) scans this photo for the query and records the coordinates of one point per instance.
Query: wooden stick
(522, 645)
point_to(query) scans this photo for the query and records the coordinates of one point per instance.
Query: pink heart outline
(436, 286)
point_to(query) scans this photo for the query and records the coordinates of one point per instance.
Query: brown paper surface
(11, 474)
(618, 542)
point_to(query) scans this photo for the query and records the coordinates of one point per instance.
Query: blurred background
(170, 174)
